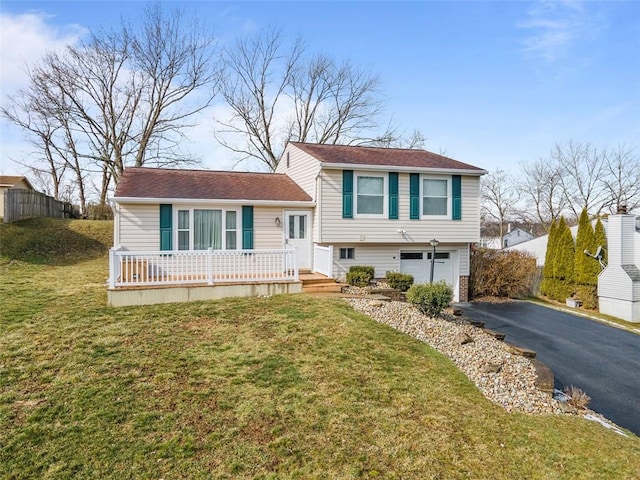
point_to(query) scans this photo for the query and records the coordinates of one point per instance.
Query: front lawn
(280, 387)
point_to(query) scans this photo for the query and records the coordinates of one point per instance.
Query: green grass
(280, 387)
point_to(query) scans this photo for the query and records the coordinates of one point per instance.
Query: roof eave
(398, 168)
(226, 201)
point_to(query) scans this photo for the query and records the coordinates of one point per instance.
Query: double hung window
(435, 197)
(200, 229)
(370, 195)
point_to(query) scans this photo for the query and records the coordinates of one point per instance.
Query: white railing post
(295, 263)
(330, 260)
(112, 268)
(210, 266)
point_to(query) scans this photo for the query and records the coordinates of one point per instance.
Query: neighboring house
(514, 236)
(12, 182)
(619, 282)
(538, 246)
(326, 208)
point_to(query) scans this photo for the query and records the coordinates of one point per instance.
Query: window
(440, 256)
(200, 229)
(183, 230)
(231, 230)
(410, 255)
(435, 197)
(370, 195)
(347, 253)
(297, 226)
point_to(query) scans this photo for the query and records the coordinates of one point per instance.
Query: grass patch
(280, 387)
(55, 241)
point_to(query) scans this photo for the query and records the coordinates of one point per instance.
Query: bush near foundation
(360, 275)
(399, 281)
(430, 298)
(502, 273)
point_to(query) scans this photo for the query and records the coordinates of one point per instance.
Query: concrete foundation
(123, 297)
(624, 309)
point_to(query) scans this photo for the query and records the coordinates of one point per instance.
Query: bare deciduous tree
(539, 186)
(278, 93)
(581, 167)
(622, 178)
(120, 98)
(499, 197)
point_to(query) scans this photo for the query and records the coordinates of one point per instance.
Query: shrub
(502, 273)
(430, 298)
(96, 211)
(369, 270)
(399, 281)
(358, 278)
(576, 397)
(360, 275)
(588, 294)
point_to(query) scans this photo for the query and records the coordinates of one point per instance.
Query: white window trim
(224, 210)
(385, 195)
(346, 250)
(447, 216)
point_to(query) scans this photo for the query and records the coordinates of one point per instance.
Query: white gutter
(220, 201)
(396, 168)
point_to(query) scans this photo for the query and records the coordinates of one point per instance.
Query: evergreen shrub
(360, 275)
(399, 281)
(430, 298)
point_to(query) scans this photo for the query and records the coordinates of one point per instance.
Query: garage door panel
(418, 264)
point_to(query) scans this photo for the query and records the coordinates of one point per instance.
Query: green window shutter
(347, 194)
(414, 196)
(166, 215)
(456, 197)
(247, 227)
(393, 195)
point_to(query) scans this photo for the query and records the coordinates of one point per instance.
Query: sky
(489, 83)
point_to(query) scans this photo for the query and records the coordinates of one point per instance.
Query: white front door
(297, 233)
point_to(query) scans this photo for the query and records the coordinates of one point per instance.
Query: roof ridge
(371, 147)
(196, 170)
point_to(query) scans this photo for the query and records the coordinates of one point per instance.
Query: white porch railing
(323, 260)
(180, 267)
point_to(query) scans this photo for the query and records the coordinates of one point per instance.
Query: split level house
(195, 234)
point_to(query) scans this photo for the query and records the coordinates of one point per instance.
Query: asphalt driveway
(603, 361)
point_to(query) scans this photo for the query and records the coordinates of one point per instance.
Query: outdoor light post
(434, 244)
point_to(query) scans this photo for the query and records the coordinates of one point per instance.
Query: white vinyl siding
(378, 229)
(386, 258)
(267, 233)
(303, 169)
(139, 227)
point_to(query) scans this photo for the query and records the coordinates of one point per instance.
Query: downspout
(318, 199)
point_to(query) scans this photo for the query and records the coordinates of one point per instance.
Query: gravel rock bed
(504, 378)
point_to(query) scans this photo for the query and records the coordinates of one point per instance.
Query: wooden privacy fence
(20, 204)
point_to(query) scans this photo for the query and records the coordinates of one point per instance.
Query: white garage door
(418, 264)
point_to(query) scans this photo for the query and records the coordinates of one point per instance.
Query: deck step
(494, 334)
(323, 288)
(316, 281)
